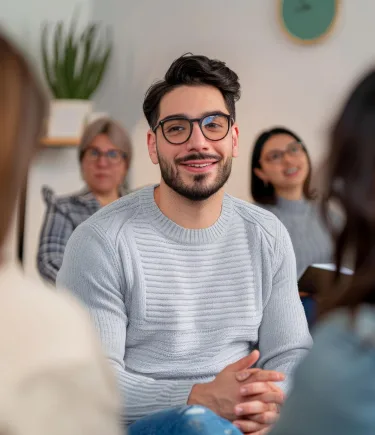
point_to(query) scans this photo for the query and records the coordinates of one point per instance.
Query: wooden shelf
(60, 142)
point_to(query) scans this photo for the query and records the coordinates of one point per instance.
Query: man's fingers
(268, 417)
(255, 388)
(247, 426)
(245, 362)
(275, 387)
(275, 407)
(267, 376)
(270, 397)
(248, 408)
(245, 374)
(259, 375)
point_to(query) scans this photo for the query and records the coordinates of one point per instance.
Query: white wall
(282, 83)
(58, 168)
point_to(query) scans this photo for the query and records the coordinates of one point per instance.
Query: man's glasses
(294, 149)
(112, 156)
(178, 129)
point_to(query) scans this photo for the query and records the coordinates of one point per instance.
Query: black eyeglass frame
(191, 121)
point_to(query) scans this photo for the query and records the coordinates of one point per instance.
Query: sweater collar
(183, 235)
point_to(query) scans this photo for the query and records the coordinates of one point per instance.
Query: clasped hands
(246, 396)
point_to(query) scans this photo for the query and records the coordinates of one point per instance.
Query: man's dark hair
(193, 70)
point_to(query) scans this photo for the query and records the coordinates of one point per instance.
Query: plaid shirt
(63, 216)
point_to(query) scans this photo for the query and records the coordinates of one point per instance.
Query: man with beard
(194, 292)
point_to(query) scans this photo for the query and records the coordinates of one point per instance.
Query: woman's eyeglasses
(294, 149)
(178, 129)
(112, 156)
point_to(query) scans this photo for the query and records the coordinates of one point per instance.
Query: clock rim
(318, 39)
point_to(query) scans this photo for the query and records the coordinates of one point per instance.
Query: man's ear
(260, 174)
(151, 144)
(235, 140)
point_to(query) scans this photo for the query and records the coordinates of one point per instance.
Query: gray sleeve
(284, 338)
(92, 271)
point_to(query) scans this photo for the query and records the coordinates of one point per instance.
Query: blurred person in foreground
(334, 387)
(54, 379)
(105, 154)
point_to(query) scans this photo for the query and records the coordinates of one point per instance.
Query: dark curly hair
(193, 70)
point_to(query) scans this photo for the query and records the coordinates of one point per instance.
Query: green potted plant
(74, 65)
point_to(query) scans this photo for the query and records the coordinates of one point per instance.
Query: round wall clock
(308, 21)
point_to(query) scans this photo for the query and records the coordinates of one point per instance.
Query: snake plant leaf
(70, 57)
(100, 69)
(61, 80)
(76, 64)
(45, 60)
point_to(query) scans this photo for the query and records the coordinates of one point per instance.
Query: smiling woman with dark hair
(271, 179)
(280, 183)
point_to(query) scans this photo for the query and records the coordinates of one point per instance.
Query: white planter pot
(68, 118)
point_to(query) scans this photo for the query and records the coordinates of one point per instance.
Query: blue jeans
(186, 420)
(310, 307)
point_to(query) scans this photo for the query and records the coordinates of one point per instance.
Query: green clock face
(308, 21)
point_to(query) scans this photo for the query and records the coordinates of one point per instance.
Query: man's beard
(198, 191)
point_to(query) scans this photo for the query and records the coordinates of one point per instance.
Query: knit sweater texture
(175, 306)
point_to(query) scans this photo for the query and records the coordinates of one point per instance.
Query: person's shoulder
(113, 217)
(358, 327)
(342, 360)
(50, 197)
(52, 355)
(265, 224)
(343, 352)
(63, 201)
(259, 217)
(343, 343)
(54, 322)
(269, 207)
(124, 208)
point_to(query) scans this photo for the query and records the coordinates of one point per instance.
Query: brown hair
(351, 183)
(22, 111)
(116, 134)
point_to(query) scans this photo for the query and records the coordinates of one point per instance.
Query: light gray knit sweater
(311, 239)
(175, 306)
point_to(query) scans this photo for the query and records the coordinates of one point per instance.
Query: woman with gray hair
(105, 154)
